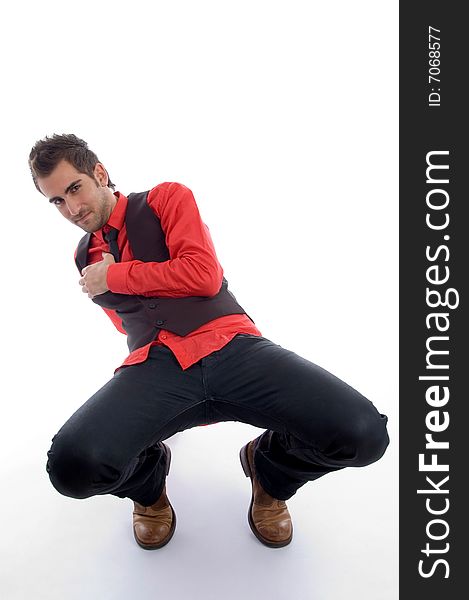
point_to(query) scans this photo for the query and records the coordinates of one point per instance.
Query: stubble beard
(100, 216)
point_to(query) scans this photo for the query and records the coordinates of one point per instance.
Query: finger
(83, 271)
(84, 289)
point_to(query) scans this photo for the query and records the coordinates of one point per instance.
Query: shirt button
(163, 337)
(152, 305)
(159, 322)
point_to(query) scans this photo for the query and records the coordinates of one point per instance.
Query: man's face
(83, 200)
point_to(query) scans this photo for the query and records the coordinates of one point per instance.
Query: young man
(195, 358)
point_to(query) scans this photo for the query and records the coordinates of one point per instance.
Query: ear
(101, 175)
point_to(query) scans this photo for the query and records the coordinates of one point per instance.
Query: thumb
(107, 257)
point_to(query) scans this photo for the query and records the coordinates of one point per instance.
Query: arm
(192, 270)
(117, 321)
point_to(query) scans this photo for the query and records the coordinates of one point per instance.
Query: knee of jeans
(369, 437)
(73, 469)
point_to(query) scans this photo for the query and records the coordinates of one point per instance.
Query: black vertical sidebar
(434, 356)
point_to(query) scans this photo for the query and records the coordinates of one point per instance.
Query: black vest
(143, 317)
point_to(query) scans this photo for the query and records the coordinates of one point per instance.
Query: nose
(73, 205)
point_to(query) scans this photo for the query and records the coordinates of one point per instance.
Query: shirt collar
(117, 217)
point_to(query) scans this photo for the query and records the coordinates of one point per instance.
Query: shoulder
(167, 188)
(168, 192)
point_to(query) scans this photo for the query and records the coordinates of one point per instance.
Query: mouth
(83, 219)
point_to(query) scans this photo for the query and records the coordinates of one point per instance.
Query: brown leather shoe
(268, 517)
(154, 525)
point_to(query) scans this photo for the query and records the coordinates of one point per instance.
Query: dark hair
(47, 153)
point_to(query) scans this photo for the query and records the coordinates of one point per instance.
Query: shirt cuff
(116, 278)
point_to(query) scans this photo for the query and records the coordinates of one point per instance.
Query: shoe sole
(243, 455)
(173, 523)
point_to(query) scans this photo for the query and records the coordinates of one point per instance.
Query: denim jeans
(315, 423)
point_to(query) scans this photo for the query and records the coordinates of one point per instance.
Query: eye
(75, 188)
(56, 201)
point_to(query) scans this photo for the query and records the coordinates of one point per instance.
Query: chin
(90, 227)
(86, 228)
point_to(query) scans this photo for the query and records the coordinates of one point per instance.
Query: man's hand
(93, 279)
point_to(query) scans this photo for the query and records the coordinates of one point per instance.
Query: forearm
(189, 275)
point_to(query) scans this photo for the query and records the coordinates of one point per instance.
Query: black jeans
(315, 422)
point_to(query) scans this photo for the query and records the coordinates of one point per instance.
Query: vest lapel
(82, 251)
(144, 232)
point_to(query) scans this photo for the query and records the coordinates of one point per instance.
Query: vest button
(152, 305)
(159, 322)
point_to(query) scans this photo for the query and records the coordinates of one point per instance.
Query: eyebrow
(67, 189)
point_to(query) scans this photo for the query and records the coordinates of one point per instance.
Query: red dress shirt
(192, 270)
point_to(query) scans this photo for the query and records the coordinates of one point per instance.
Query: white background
(281, 117)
